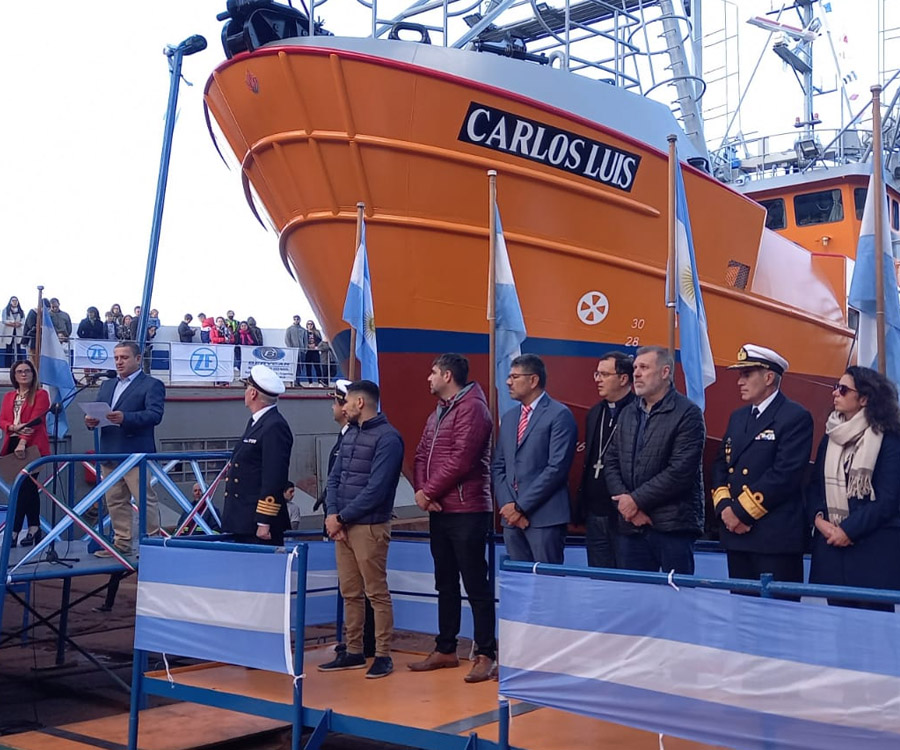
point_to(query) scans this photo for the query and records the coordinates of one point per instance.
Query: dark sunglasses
(843, 389)
(340, 401)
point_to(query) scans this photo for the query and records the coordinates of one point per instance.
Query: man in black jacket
(653, 470)
(255, 509)
(613, 377)
(758, 473)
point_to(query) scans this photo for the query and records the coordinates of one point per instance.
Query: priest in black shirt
(614, 380)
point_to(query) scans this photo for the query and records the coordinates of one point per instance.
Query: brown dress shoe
(482, 670)
(435, 660)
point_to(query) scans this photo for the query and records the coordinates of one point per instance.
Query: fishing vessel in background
(557, 97)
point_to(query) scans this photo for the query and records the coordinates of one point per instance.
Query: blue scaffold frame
(23, 573)
(320, 721)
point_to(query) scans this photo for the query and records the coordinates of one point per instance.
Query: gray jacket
(295, 337)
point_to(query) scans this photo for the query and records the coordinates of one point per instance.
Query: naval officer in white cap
(758, 472)
(255, 509)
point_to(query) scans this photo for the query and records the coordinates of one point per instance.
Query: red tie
(523, 423)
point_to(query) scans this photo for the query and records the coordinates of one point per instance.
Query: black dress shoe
(32, 539)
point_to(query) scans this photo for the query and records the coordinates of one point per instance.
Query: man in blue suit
(136, 404)
(531, 466)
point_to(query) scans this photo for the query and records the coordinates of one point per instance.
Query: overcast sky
(84, 100)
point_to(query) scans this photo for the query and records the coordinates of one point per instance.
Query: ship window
(818, 208)
(775, 217)
(859, 201)
(895, 215)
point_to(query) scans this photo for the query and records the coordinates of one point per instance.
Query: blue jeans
(656, 551)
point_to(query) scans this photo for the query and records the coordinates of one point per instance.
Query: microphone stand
(50, 554)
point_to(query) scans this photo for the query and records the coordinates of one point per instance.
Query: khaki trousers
(362, 572)
(118, 504)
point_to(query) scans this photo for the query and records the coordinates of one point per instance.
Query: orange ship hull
(318, 128)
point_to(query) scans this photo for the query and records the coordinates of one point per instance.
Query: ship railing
(596, 38)
(159, 353)
(737, 671)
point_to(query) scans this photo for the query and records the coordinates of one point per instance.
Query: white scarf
(850, 457)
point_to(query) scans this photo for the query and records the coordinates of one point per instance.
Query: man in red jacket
(453, 483)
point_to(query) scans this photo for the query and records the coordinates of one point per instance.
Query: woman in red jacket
(23, 421)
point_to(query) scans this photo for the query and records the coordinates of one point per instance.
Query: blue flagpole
(492, 305)
(175, 56)
(670, 258)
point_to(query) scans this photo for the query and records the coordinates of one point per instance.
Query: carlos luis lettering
(570, 152)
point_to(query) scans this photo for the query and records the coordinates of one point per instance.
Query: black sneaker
(381, 667)
(343, 660)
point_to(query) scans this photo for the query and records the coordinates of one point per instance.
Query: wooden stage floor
(437, 701)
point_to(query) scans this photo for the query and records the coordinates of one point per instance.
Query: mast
(684, 80)
(670, 258)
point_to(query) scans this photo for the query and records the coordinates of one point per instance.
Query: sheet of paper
(97, 410)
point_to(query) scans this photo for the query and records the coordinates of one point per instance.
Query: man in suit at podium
(136, 402)
(255, 508)
(531, 465)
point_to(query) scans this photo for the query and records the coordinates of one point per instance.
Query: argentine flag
(696, 353)
(360, 313)
(509, 324)
(55, 373)
(862, 290)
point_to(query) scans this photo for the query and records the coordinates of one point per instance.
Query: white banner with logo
(202, 363)
(282, 361)
(94, 354)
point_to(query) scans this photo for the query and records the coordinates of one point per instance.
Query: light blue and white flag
(696, 353)
(731, 671)
(862, 290)
(509, 323)
(360, 313)
(219, 605)
(55, 374)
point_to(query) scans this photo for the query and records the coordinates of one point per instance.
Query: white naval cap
(340, 387)
(752, 355)
(264, 379)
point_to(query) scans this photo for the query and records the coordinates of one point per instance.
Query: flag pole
(351, 360)
(492, 295)
(878, 187)
(670, 258)
(38, 332)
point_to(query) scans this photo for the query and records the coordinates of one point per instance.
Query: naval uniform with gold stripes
(257, 477)
(758, 473)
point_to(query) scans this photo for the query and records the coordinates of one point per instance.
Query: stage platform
(435, 702)
(84, 564)
(180, 726)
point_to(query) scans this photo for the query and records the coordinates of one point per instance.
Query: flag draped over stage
(55, 374)
(359, 312)
(509, 325)
(863, 294)
(696, 353)
(700, 664)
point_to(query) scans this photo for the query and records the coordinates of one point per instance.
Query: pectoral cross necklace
(612, 424)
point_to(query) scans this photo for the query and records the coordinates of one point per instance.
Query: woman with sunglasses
(22, 419)
(855, 494)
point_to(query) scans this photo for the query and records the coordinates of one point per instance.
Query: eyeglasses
(340, 401)
(598, 374)
(517, 375)
(843, 389)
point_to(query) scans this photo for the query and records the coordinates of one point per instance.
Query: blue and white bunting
(359, 312)
(863, 295)
(696, 353)
(55, 374)
(509, 324)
